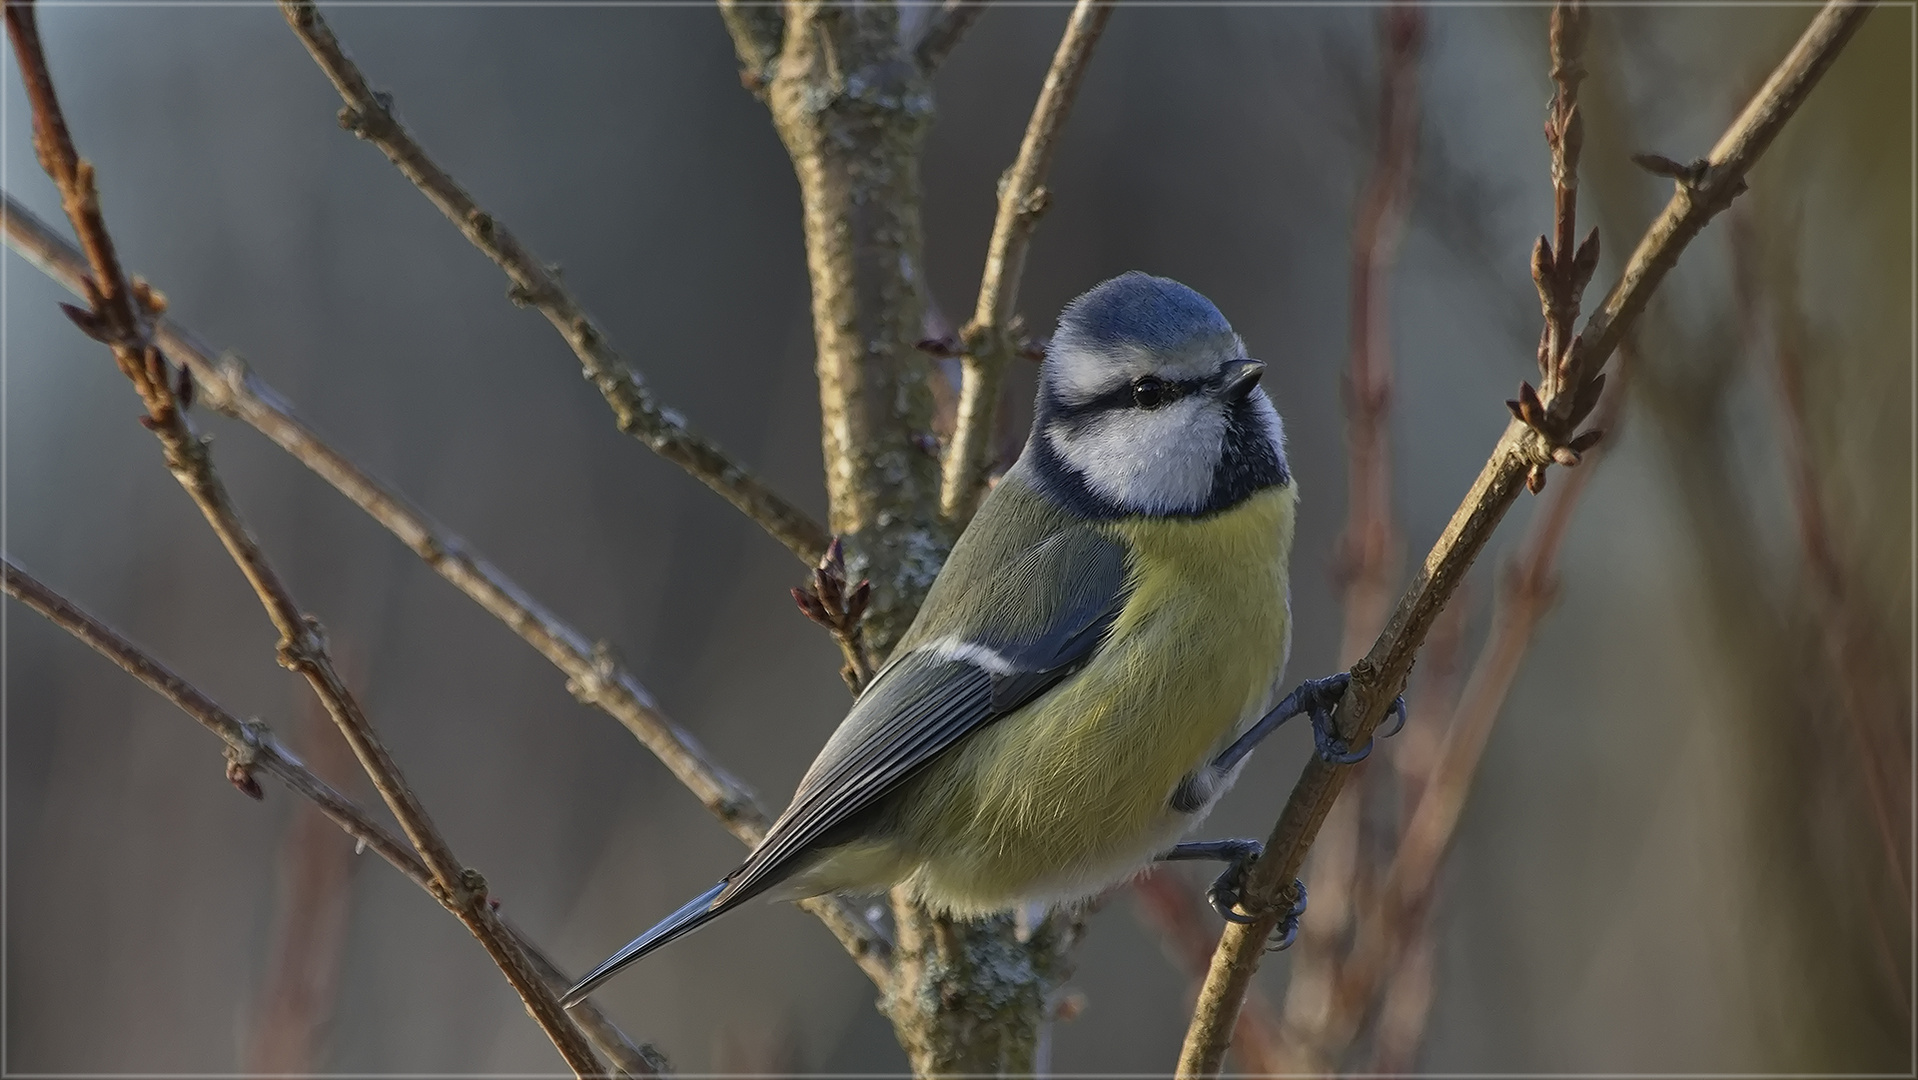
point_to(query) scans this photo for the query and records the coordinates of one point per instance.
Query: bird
(1094, 661)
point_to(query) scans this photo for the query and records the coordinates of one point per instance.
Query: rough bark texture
(853, 104)
(853, 110)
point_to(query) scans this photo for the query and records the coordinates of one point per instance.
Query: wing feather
(978, 651)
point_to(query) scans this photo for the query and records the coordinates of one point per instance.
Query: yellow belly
(1071, 794)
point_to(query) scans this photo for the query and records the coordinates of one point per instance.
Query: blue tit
(1098, 654)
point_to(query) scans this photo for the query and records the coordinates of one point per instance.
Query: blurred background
(1687, 847)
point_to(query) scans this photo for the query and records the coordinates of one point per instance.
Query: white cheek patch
(1153, 461)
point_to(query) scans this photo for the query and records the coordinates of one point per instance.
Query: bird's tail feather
(697, 912)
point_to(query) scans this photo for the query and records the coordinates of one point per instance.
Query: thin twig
(944, 30)
(252, 748)
(1023, 199)
(119, 316)
(1561, 271)
(594, 674)
(369, 115)
(1378, 678)
(837, 604)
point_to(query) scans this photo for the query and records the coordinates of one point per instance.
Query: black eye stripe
(1122, 397)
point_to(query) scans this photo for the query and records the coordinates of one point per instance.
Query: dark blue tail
(697, 912)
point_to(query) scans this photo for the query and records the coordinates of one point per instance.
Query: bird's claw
(1228, 890)
(1228, 893)
(1321, 695)
(1287, 931)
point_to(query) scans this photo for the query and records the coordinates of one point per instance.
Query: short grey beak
(1238, 378)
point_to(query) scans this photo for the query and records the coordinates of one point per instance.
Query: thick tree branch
(1378, 678)
(593, 674)
(119, 316)
(987, 339)
(252, 748)
(943, 32)
(369, 115)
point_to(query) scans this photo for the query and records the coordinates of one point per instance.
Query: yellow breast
(1075, 787)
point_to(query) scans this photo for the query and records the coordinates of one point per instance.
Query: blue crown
(1138, 309)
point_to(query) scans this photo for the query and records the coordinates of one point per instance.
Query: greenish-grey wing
(987, 641)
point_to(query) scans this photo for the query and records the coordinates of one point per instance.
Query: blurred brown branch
(1370, 550)
(369, 115)
(118, 315)
(309, 941)
(1861, 673)
(1187, 928)
(1390, 930)
(1528, 445)
(252, 748)
(594, 674)
(989, 339)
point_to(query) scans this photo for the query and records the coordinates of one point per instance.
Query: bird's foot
(1227, 894)
(1316, 698)
(1229, 889)
(1287, 931)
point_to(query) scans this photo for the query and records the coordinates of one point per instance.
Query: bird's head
(1148, 405)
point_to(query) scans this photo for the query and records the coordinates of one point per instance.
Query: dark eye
(1149, 393)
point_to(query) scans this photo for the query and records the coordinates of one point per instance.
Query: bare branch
(253, 748)
(594, 675)
(1023, 199)
(943, 32)
(119, 315)
(1524, 448)
(369, 115)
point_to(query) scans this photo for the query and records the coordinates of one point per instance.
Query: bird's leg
(1228, 891)
(1315, 698)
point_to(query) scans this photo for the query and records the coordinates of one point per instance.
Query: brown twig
(252, 748)
(829, 602)
(944, 30)
(988, 339)
(594, 674)
(119, 315)
(369, 115)
(1561, 271)
(1524, 447)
